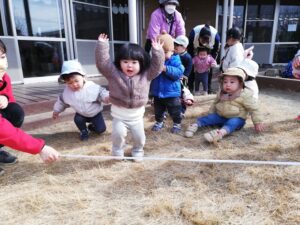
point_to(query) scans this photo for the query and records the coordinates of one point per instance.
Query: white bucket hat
(182, 40)
(249, 66)
(72, 66)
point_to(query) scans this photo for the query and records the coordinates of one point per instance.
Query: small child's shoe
(176, 128)
(191, 130)
(1, 171)
(157, 126)
(84, 135)
(298, 118)
(6, 158)
(213, 136)
(138, 156)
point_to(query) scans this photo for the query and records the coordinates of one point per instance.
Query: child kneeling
(230, 108)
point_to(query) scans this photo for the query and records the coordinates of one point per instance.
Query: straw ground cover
(161, 192)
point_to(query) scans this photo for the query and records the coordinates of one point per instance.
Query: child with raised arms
(129, 79)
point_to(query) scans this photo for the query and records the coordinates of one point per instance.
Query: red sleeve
(17, 139)
(7, 89)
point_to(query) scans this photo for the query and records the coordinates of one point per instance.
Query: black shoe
(91, 127)
(84, 135)
(1, 171)
(6, 158)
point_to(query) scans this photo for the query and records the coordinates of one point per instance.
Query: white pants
(119, 133)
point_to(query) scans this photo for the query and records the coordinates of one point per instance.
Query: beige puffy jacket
(238, 107)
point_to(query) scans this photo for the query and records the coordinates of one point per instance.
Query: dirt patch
(161, 192)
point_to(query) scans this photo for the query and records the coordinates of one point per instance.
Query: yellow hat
(168, 42)
(237, 72)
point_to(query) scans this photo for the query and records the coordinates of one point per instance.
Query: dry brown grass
(156, 192)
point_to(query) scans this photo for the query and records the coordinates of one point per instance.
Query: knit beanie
(168, 42)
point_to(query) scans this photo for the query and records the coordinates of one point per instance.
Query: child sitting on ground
(166, 88)
(129, 80)
(230, 108)
(84, 97)
(180, 48)
(202, 64)
(9, 109)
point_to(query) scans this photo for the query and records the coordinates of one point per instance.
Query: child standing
(9, 109)
(84, 97)
(230, 108)
(180, 48)
(166, 88)
(129, 80)
(202, 64)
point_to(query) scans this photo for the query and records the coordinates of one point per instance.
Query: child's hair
(202, 49)
(133, 52)
(67, 77)
(2, 46)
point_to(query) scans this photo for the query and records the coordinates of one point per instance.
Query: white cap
(249, 66)
(182, 40)
(72, 66)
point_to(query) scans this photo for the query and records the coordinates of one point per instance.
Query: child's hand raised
(157, 44)
(103, 37)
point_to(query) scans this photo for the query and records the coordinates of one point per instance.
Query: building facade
(41, 34)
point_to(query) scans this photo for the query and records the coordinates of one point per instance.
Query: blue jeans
(201, 78)
(229, 124)
(97, 121)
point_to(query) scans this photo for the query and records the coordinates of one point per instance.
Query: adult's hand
(49, 154)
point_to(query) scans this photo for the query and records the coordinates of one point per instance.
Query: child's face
(3, 63)
(231, 84)
(202, 54)
(130, 67)
(179, 49)
(75, 82)
(230, 41)
(168, 54)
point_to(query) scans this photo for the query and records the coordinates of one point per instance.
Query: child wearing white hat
(85, 97)
(230, 108)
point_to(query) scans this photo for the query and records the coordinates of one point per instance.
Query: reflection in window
(90, 20)
(261, 10)
(284, 53)
(288, 29)
(41, 18)
(259, 31)
(95, 2)
(120, 20)
(5, 26)
(41, 58)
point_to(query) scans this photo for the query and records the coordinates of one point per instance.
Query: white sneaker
(213, 136)
(191, 130)
(138, 156)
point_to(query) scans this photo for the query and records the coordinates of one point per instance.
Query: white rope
(207, 161)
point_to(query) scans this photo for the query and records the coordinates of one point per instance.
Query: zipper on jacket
(130, 92)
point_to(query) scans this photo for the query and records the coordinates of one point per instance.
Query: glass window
(259, 31)
(120, 20)
(288, 29)
(261, 10)
(284, 53)
(90, 20)
(95, 2)
(5, 26)
(261, 52)
(41, 58)
(42, 18)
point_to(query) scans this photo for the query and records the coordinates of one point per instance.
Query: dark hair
(2, 46)
(68, 76)
(234, 33)
(205, 32)
(202, 49)
(133, 52)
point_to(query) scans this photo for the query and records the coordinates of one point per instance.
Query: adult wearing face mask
(165, 19)
(207, 36)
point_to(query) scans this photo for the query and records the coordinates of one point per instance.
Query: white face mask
(170, 9)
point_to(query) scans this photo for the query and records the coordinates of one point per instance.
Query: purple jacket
(158, 23)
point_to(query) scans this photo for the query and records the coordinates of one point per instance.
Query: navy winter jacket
(167, 84)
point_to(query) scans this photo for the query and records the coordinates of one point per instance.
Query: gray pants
(119, 133)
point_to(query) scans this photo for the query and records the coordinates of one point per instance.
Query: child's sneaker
(157, 126)
(298, 118)
(84, 135)
(176, 128)
(1, 171)
(213, 136)
(138, 156)
(191, 130)
(6, 158)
